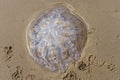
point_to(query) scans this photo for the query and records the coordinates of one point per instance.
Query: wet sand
(99, 59)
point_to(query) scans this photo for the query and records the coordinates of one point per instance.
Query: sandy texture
(100, 57)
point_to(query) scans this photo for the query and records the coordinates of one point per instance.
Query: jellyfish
(56, 38)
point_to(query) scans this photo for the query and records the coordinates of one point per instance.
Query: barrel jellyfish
(56, 38)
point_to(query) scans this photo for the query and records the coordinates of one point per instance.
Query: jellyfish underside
(57, 38)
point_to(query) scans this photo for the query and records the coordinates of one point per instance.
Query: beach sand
(99, 59)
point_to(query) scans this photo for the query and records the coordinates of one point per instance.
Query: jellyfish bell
(56, 37)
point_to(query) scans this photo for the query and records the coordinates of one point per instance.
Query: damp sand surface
(100, 57)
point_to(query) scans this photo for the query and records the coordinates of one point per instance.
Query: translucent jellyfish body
(56, 38)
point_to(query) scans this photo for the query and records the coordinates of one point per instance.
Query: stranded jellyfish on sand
(56, 38)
